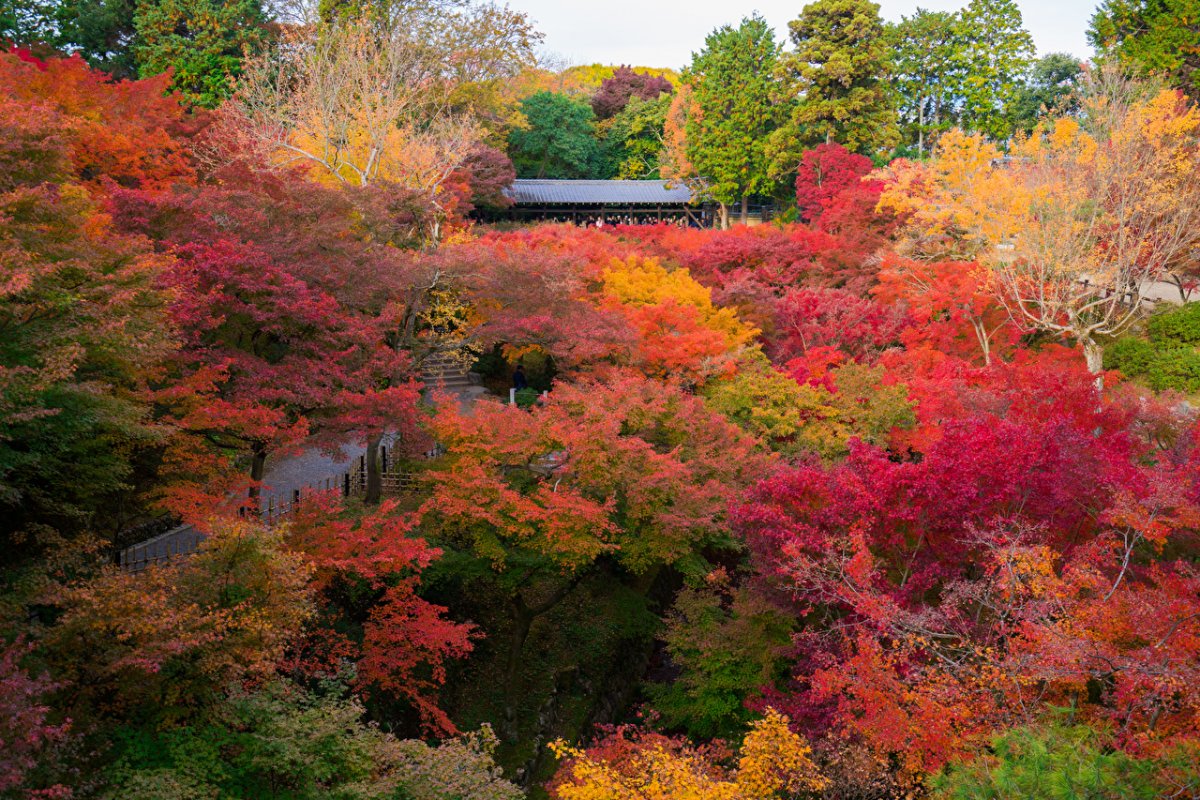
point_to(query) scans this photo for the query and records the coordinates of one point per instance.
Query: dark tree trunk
(745, 209)
(522, 616)
(374, 476)
(522, 620)
(258, 468)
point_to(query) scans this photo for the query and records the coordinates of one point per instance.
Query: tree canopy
(732, 109)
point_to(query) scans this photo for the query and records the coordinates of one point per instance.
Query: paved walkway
(308, 470)
(177, 541)
(1161, 291)
(311, 469)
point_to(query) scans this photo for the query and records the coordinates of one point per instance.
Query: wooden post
(346, 484)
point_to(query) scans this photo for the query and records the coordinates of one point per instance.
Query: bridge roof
(538, 192)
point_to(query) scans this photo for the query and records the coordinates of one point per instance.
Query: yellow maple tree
(637, 281)
(774, 762)
(1077, 221)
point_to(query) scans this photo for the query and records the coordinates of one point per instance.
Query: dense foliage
(900, 499)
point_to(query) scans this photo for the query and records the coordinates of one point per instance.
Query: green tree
(283, 741)
(101, 31)
(82, 320)
(1051, 89)
(559, 140)
(838, 72)
(203, 41)
(1152, 36)
(728, 644)
(733, 110)
(796, 419)
(633, 139)
(998, 55)
(1067, 762)
(26, 22)
(928, 69)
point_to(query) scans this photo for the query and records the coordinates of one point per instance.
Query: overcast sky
(664, 33)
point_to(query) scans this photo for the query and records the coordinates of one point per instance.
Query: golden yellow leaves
(639, 281)
(949, 200)
(774, 763)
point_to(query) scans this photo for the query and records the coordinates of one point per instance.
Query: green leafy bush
(527, 398)
(1130, 355)
(728, 643)
(1179, 325)
(1055, 763)
(1177, 368)
(285, 742)
(1170, 359)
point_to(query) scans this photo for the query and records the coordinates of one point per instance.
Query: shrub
(1130, 355)
(1061, 763)
(1177, 368)
(527, 398)
(1179, 325)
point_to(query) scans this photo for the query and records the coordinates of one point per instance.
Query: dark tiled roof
(546, 192)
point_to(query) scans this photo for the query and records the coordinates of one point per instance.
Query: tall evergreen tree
(203, 41)
(101, 31)
(928, 71)
(1152, 36)
(559, 140)
(838, 75)
(732, 112)
(999, 52)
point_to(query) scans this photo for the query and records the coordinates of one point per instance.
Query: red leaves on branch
(25, 732)
(953, 307)
(285, 324)
(527, 295)
(621, 465)
(825, 172)
(127, 133)
(806, 319)
(624, 85)
(1019, 561)
(406, 641)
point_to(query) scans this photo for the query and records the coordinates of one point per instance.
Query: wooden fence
(179, 541)
(164, 539)
(351, 483)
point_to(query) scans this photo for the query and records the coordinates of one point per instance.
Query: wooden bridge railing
(167, 538)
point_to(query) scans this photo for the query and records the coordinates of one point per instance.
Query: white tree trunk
(1094, 354)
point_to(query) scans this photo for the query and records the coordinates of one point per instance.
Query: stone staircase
(445, 372)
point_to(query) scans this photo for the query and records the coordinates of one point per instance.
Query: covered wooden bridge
(600, 203)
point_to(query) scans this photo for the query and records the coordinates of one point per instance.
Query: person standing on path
(519, 381)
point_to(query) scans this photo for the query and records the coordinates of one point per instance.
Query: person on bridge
(519, 381)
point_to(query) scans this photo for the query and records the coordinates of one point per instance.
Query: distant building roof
(528, 191)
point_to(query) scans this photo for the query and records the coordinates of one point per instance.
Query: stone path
(1163, 292)
(178, 541)
(312, 468)
(305, 471)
